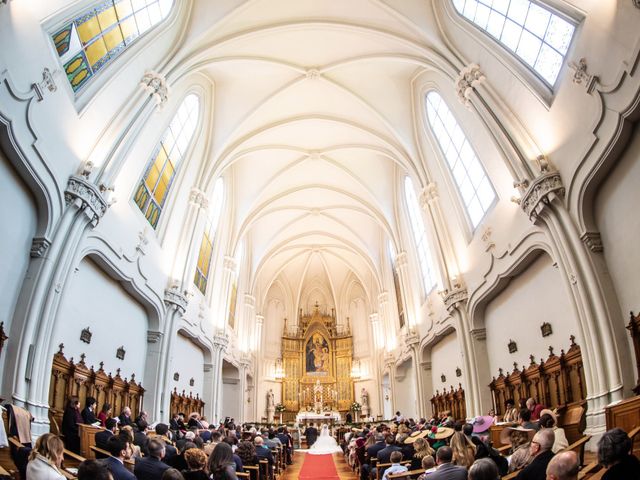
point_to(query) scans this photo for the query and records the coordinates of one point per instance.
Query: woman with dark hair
(172, 474)
(105, 413)
(614, 452)
(548, 419)
(70, 421)
(221, 465)
(88, 414)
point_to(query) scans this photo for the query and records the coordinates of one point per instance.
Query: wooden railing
(453, 401)
(69, 379)
(187, 404)
(555, 382)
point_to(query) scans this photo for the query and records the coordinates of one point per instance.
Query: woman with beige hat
(520, 440)
(548, 419)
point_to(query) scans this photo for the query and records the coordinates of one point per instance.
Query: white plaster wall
(17, 210)
(445, 358)
(188, 361)
(405, 398)
(231, 394)
(536, 295)
(619, 225)
(92, 299)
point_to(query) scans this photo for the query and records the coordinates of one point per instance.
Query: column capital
(174, 298)
(479, 333)
(453, 299)
(428, 195)
(540, 193)
(259, 319)
(155, 84)
(249, 300)
(198, 198)
(207, 367)
(153, 336)
(383, 297)
(221, 341)
(39, 247)
(401, 260)
(373, 318)
(469, 78)
(593, 240)
(86, 196)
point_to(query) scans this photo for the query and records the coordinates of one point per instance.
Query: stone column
(246, 330)
(243, 367)
(405, 292)
(412, 341)
(603, 342)
(257, 333)
(427, 387)
(220, 343)
(385, 321)
(229, 273)
(207, 392)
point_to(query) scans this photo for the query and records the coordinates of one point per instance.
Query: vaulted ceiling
(314, 122)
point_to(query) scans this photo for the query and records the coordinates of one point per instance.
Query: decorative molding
(230, 263)
(593, 240)
(470, 78)
(540, 193)
(39, 246)
(87, 196)
(3, 338)
(581, 76)
(153, 336)
(249, 300)
(207, 367)
(401, 260)
(155, 84)
(426, 365)
(198, 198)
(173, 297)
(259, 319)
(479, 333)
(313, 74)
(411, 339)
(47, 83)
(486, 238)
(383, 297)
(636, 3)
(428, 195)
(221, 341)
(141, 246)
(454, 298)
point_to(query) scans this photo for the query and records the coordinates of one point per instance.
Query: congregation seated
(125, 417)
(525, 421)
(172, 474)
(520, 440)
(548, 419)
(46, 458)
(103, 436)
(140, 438)
(120, 450)
(88, 413)
(136, 451)
(93, 470)
(396, 458)
(105, 413)
(178, 461)
(221, 464)
(564, 466)
(463, 450)
(445, 469)
(511, 412)
(196, 463)
(151, 467)
(422, 449)
(263, 452)
(614, 452)
(162, 431)
(535, 408)
(541, 456)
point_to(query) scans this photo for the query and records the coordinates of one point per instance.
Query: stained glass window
(91, 40)
(536, 35)
(420, 236)
(473, 184)
(206, 246)
(151, 194)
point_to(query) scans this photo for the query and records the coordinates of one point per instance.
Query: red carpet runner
(318, 467)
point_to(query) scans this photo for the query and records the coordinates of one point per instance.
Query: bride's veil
(325, 431)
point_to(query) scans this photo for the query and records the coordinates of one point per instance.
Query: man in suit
(119, 450)
(446, 470)
(103, 436)
(564, 466)
(125, 417)
(162, 429)
(311, 434)
(263, 452)
(88, 414)
(384, 455)
(140, 437)
(151, 467)
(540, 450)
(372, 452)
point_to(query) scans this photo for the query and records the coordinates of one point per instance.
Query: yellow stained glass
(74, 65)
(167, 174)
(123, 9)
(107, 18)
(79, 77)
(129, 28)
(89, 30)
(96, 51)
(154, 171)
(160, 191)
(113, 38)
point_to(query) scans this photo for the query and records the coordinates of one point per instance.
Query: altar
(320, 418)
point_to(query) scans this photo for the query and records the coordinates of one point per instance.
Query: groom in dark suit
(311, 434)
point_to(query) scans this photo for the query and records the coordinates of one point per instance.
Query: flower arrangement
(280, 408)
(356, 407)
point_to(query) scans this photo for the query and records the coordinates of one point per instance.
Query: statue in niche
(271, 405)
(364, 399)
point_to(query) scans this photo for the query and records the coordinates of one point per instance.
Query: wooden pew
(88, 439)
(578, 447)
(253, 470)
(511, 475)
(380, 466)
(589, 470)
(406, 475)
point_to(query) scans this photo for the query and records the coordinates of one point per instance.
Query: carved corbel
(39, 247)
(221, 341)
(592, 240)
(86, 196)
(541, 192)
(174, 298)
(581, 76)
(155, 84)
(454, 298)
(199, 198)
(469, 79)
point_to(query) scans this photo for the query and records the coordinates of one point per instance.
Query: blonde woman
(421, 449)
(464, 451)
(45, 459)
(127, 430)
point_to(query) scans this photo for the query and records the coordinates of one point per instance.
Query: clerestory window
(203, 267)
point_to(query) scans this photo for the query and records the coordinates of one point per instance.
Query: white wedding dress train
(325, 444)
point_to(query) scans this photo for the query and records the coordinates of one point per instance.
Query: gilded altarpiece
(316, 357)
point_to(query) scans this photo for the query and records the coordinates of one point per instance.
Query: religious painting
(317, 356)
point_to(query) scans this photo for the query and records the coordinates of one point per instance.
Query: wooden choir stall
(557, 382)
(187, 404)
(452, 401)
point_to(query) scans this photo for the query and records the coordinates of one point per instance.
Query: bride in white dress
(325, 443)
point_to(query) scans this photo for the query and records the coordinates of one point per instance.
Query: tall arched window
(151, 194)
(206, 245)
(473, 184)
(537, 36)
(420, 236)
(88, 42)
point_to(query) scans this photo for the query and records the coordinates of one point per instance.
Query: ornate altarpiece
(316, 358)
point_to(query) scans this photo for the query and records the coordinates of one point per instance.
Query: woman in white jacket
(46, 458)
(548, 419)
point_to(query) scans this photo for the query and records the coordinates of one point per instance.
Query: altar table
(322, 417)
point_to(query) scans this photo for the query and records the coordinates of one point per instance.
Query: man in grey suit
(445, 470)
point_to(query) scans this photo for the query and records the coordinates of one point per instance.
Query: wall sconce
(443, 378)
(513, 346)
(176, 376)
(85, 335)
(546, 329)
(458, 372)
(120, 353)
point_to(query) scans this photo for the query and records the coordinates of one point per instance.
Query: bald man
(540, 450)
(564, 466)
